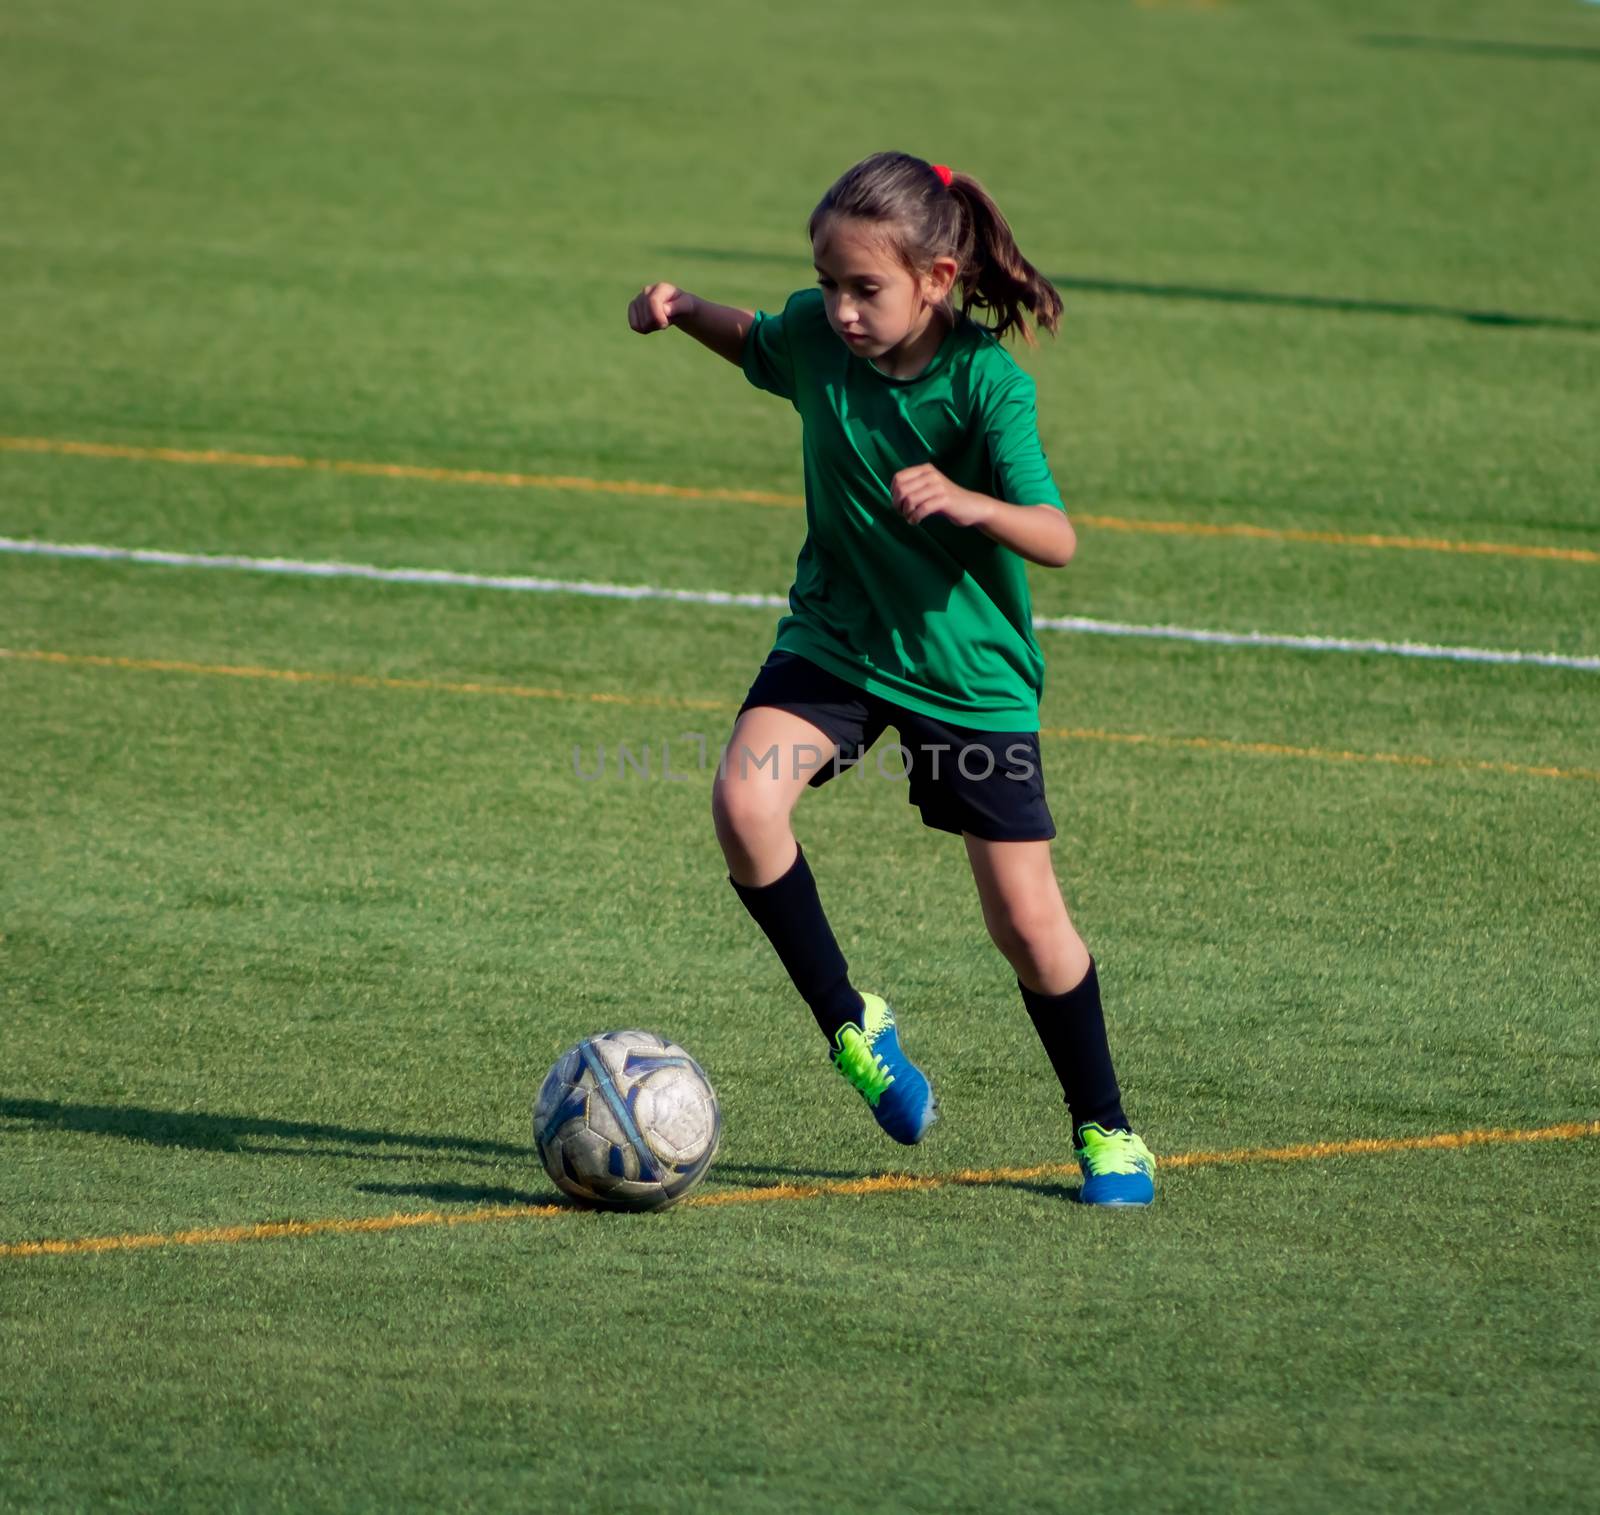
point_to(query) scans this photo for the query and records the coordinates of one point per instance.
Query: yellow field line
(275, 460)
(1321, 754)
(220, 458)
(669, 702)
(885, 1183)
(354, 680)
(1339, 538)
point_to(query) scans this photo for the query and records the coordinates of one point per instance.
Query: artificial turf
(276, 947)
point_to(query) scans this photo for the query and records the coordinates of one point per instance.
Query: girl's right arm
(722, 328)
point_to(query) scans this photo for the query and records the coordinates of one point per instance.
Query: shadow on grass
(201, 1132)
(1221, 294)
(197, 1131)
(1070, 1193)
(769, 1175)
(473, 1194)
(1545, 52)
(470, 1194)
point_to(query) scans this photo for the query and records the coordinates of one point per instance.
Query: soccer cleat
(893, 1086)
(1117, 1167)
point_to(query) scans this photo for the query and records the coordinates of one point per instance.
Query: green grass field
(288, 948)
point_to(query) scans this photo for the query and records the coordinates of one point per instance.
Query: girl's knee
(1031, 931)
(746, 807)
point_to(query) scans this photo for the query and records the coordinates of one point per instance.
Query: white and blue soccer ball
(626, 1120)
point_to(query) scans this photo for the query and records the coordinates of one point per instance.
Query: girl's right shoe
(894, 1087)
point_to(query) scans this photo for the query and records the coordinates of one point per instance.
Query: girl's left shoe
(895, 1088)
(1117, 1167)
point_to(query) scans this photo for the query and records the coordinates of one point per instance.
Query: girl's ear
(939, 279)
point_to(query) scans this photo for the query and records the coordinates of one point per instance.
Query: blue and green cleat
(1117, 1167)
(894, 1087)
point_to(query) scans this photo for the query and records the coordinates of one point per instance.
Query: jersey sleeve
(1011, 428)
(768, 360)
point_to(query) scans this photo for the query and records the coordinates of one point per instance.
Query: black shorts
(990, 783)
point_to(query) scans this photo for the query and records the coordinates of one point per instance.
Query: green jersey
(934, 617)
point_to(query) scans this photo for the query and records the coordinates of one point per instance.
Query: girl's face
(874, 302)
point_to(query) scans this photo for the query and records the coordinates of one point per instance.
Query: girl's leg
(771, 757)
(1028, 920)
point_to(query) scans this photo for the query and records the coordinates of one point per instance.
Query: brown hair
(924, 220)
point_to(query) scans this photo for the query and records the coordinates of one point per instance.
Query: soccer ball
(626, 1120)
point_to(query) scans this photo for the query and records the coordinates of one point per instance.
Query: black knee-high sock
(1073, 1030)
(789, 910)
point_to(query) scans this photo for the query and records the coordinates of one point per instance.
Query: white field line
(524, 584)
(1317, 644)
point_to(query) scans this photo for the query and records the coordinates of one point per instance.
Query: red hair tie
(945, 176)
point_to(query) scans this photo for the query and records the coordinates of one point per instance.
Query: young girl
(926, 489)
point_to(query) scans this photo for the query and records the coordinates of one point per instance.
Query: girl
(926, 489)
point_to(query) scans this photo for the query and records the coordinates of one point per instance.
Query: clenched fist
(923, 491)
(658, 306)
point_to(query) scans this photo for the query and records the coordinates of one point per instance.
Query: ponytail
(996, 277)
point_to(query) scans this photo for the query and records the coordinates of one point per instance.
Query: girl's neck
(919, 347)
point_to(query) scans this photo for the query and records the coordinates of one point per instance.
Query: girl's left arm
(1040, 533)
